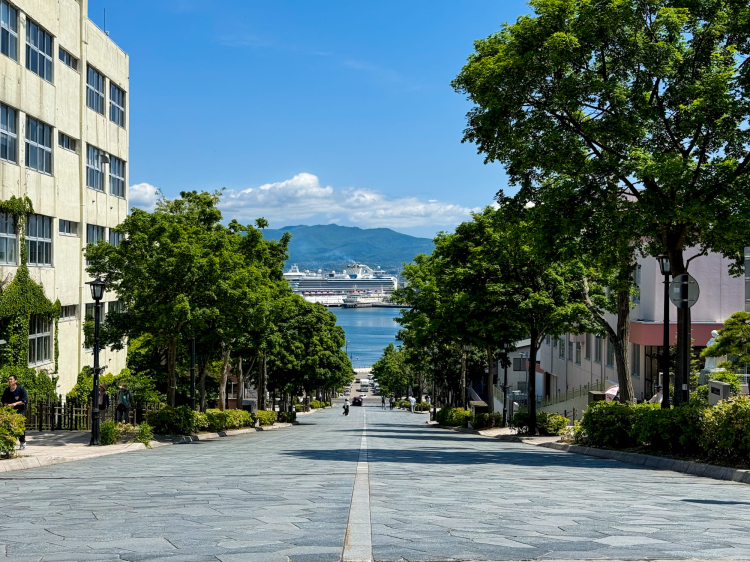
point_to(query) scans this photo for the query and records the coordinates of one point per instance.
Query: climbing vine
(22, 297)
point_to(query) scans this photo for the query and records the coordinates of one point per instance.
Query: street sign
(675, 290)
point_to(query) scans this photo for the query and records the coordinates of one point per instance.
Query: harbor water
(368, 331)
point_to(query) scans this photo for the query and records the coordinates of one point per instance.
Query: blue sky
(307, 112)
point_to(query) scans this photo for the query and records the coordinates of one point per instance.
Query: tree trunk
(203, 364)
(463, 379)
(531, 389)
(240, 385)
(262, 387)
(224, 378)
(622, 351)
(490, 382)
(172, 376)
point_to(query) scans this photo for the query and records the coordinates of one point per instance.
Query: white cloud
(302, 198)
(143, 196)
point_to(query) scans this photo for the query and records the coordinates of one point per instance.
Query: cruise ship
(330, 288)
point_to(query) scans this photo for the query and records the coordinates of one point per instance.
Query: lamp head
(664, 264)
(97, 288)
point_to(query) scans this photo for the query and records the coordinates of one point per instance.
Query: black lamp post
(666, 269)
(506, 350)
(97, 292)
(466, 349)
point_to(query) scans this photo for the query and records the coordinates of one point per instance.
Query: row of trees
(179, 274)
(624, 127)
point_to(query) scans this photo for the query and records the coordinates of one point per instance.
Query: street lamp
(666, 269)
(97, 292)
(466, 349)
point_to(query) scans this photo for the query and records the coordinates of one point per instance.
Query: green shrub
(108, 433)
(37, 383)
(609, 424)
(676, 430)
(520, 420)
(551, 424)
(286, 417)
(726, 432)
(315, 404)
(456, 417)
(481, 421)
(218, 420)
(173, 421)
(240, 418)
(299, 407)
(12, 426)
(200, 421)
(266, 417)
(145, 435)
(700, 394)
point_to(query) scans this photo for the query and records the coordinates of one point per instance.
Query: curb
(659, 463)
(230, 432)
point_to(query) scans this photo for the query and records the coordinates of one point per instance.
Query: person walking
(412, 401)
(15, 396)
(392, 400)
(346, 406)
(103, 398)
(658, 397)
(382, 402)
(124, 403)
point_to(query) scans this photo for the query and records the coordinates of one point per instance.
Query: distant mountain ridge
(333, 247)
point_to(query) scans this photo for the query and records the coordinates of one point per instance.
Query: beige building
(64, 144)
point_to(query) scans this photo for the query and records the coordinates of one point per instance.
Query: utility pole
(466, 349)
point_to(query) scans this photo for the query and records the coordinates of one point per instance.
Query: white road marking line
(358, 543)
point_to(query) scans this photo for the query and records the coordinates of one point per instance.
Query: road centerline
(358, 543)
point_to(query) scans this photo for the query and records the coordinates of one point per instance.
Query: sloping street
(421, 493)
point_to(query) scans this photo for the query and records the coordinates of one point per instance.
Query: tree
(733, 341)
(649, 97)
(389, 370)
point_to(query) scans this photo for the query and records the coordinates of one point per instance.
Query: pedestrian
(412, 401)
(428, 400)
(15, 397)
(392, 402)
(103, 398)
(124, 403)
(658, 397)
(346, 406)
(382, 401)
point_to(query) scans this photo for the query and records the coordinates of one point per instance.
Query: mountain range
(333, 247)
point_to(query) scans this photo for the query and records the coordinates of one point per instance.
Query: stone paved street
(433, 495)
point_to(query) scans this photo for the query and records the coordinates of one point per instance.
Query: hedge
(719, 434)
(12, 427)
(183, 421)
(457, 417)
(267, 417)
(546, 423)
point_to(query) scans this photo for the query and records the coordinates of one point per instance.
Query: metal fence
(572, 393)
(45, 414)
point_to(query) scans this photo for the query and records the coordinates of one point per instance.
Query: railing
(572, 393)
(44, 414)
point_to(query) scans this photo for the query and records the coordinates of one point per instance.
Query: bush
(700, 394)
(609, 424)
(286, 417)
(200, 421)
(240, 418)
(551, 424)
(141, 385)
(145, 435)
(266, 417)
(217, 419)
(174, 421)
(726, 432)
(299, 407)
(37, 383)
(676, 430)
(520, 420)
(315, 404)
(12, 426)
(108, 433)
(456, 417)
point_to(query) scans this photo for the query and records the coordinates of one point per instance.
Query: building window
(554, 343)
(66, 142)
(94, 173)
(598, 349)
(68, 228)
(548, 339)
(115, 238)
(95, 90)
(39, 240)
(116, 105)
(39, 340)
(570, 351)
(9, 27)
(578, 352)
(7, 239)
(635, 359)
(38, 51)
(587, 348)
(114, 306)
(637, 279)
(116, 177)
(68, 312)
(94, 233)
(68, 59)
(562, 348)
(610, 353)
(8, 133)
(38, 146)
(89, 315)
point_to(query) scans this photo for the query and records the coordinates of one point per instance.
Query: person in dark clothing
(103, 397)
(15, 396)
(124, 403)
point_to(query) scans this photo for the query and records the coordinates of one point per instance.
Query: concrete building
(64, 144)
(574, 361)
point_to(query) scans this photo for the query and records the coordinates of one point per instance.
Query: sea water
(368, 331)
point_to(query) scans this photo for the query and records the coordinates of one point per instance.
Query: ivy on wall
(22, 297)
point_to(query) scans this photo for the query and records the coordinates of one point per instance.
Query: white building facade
(63, 144)
(574, 361)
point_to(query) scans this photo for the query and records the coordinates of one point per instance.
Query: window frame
(66, 58)
(6, 29)
(34, 240)
(636, 299)
(115, 179)
(68, 317)
(5, 236)
(63, 140)
(561, 352)
(35, 335)
(598, 349)
(41, 53)
(635, 360)
(578, 353)
(570, 349)
(95, 97)
(72, 231)
(34, 124)
(115, 238)
(116, 109)
(94, 168)
(610, 354)
(587, 348)
(8, 137)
